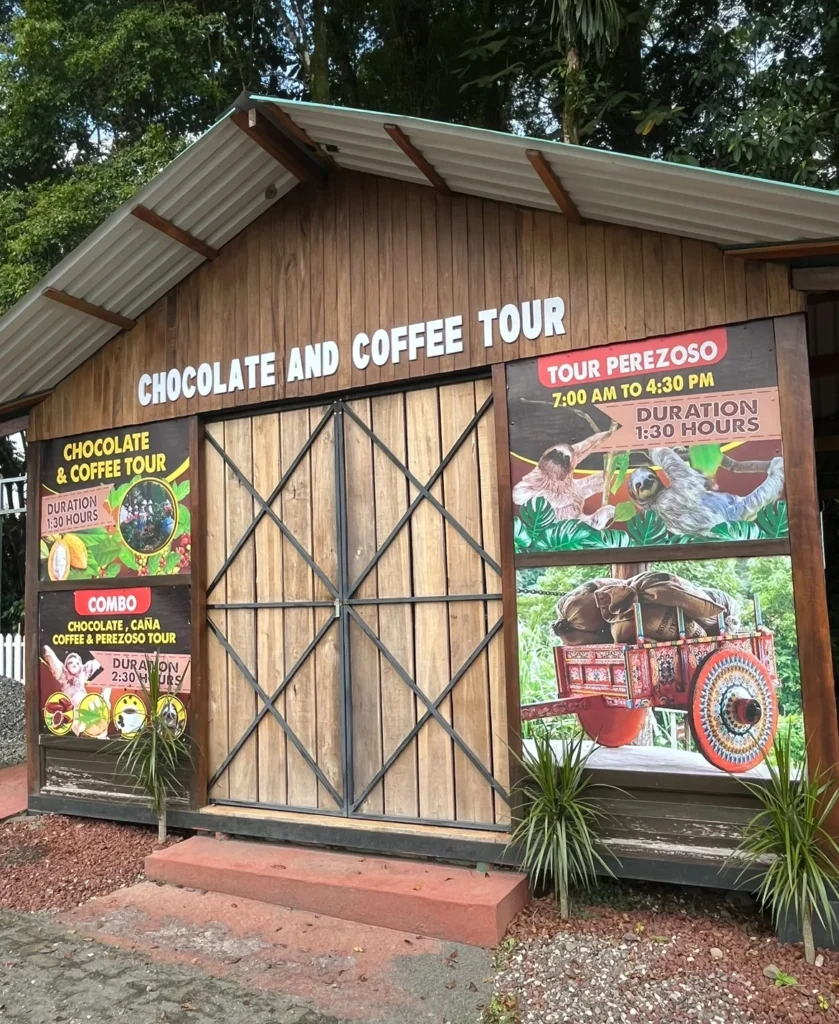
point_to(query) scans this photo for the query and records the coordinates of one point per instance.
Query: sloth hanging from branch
(553, 479)
(688, 506)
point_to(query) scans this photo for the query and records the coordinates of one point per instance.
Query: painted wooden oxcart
(727, 684)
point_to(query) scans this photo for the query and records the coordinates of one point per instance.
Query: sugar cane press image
(695, 658)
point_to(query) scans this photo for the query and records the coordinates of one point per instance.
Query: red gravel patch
(54, 863)
(699, 940)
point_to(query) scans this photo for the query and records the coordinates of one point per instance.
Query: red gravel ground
(670, 933)
(53, 863)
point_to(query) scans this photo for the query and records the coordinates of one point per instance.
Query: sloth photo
(687, 504)
(553, 479)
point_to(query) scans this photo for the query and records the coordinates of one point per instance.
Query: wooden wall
(369, 252)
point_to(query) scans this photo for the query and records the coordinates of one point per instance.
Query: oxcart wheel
(611, 727)
(733, 710)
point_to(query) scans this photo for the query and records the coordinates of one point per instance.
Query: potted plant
(153, 756)
(786, 847)
(559, 834)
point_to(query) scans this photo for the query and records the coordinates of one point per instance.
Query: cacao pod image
(78, 551)
(58, 563)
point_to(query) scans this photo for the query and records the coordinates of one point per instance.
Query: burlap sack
(579, 607)
(577, 637)
(615, 599)
(659, 623)
(661, 588)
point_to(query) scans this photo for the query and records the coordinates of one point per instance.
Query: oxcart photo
(722, 676)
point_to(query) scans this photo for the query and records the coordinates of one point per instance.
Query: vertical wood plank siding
(432, 639)
(369, 252)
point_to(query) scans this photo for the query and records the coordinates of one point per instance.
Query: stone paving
(50, 976)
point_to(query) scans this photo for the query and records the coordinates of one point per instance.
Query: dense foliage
(97, 95)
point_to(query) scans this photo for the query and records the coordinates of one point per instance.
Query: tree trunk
(807, 931)
(570, 118)
(161, 827)
(319, 84)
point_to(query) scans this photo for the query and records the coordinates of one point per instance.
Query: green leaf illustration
(521, 536)
(646, 528)
(537, 515)
(773, 521)
(569, 535)
(615, 539)
(113, 570)
(624, 511)
(184, 522)
(705, 458)
(620, 467)
(181, 489)
(128, 559)
(736, 531)
(173, 561)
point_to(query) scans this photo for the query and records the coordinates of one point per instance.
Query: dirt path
(48, 976)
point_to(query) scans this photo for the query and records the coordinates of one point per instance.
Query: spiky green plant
(786, 847)
(559, 834)
(154, 757)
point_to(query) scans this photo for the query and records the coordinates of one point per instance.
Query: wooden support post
(32, 685)
(554, 186)
(82, 306)
(508, 567)
(199, 697)
(166, 227)
(416, 158)
(806, 550)
(288, 153)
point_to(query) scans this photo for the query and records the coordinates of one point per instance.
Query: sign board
(93, 649)
(116, 503)
(666, 441)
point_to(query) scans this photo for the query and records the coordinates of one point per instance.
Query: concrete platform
(455, 904)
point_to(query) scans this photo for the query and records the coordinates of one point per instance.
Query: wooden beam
(554, 186)
(786, 250)
(17, 425)
(806, 551)
(166, 227)
(416, 158)
(24, 403)
(117, 319)
(815, 279)
(288, 154)
(278, 114)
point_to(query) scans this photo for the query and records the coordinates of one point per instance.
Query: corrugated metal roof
(216, 187)
(729, 209)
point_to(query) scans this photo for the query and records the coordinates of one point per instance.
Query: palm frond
(786, 849)
(154, 758)
(559, 833)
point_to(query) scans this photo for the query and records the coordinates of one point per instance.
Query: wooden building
(288, 355)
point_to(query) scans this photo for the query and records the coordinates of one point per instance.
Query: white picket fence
(11, 656)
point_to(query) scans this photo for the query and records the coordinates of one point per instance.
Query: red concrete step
(430, 899)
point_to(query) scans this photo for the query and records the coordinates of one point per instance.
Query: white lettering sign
(436, 338)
